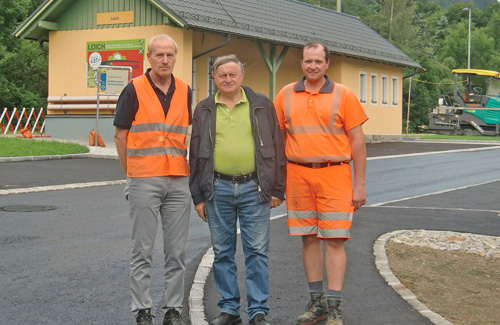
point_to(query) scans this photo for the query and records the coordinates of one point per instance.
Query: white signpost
(111, 81)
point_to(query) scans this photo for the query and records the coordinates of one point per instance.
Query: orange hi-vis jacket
(316, 123)
(156, 145)
(319, 201)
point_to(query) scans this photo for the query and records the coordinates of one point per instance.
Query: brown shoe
(316, 311)
(334, 312)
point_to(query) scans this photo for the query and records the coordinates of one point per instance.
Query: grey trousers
(151, 199)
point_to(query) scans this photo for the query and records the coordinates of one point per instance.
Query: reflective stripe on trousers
(319, 201)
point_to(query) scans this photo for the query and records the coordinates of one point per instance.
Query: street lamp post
(468, 57)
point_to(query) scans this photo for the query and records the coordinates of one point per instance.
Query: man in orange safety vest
(152, 119)
(321, 121)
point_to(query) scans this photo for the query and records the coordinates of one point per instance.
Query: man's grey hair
(153, 39)
(226, 59)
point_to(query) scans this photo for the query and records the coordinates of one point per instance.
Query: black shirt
(128, 104)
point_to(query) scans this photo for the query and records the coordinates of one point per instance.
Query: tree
(11, 13)
(493, 25)
(427, 87)
(23, 64)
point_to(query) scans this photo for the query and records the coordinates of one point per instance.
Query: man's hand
(120, 137)
(275, 202)
(201, 210)
(357, 139)
(358, 197)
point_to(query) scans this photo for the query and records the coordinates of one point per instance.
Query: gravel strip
(487, 246)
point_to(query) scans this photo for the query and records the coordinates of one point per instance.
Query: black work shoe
(259, 319)
(172, 317)
(226, 319)
(144, 317)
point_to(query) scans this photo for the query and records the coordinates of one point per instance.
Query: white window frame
(385, 90)
(395, 91)
(211, 87)
(374, 88)
(363, 85)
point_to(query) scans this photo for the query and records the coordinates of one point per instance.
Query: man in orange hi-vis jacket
(321, 121)
(152, 118)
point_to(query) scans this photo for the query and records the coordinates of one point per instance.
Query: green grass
(16, 147)
(451, 137)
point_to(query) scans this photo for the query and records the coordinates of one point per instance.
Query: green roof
(286, 22)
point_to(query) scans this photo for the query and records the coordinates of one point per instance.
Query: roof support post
(273, 64)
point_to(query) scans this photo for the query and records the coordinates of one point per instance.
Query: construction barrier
(11, 120)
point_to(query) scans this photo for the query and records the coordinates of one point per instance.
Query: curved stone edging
(382, 265)
(196, 307)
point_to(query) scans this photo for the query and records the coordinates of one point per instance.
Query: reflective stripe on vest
(156, 145)
(330, 129)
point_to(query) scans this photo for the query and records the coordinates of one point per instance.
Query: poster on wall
(115, 53)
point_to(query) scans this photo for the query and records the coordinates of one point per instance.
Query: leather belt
(237, 179)
(319, 165)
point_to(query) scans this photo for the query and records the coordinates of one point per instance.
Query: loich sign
(112, 18)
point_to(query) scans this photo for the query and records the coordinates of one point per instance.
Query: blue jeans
(232, 202)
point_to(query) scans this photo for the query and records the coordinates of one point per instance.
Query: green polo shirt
(234, 146)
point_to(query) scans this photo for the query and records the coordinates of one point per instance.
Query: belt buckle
(237, 179)
(316, 165)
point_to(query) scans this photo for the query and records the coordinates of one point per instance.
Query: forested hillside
(481, 4)
(435, 37)
(434, 33)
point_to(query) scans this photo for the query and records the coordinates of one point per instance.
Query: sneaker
(334, 312)
(226, 319)
(259, 319)
(315, 311)
(144, 317)
(172, 317)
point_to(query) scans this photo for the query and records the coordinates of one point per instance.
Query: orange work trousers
(319, 200)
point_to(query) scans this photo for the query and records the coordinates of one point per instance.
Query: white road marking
(429, 194)
(59, 187)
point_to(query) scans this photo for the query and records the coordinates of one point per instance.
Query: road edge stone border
(382, 264)
(58, 157)
(196, 307)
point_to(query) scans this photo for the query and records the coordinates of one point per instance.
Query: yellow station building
(266, 35)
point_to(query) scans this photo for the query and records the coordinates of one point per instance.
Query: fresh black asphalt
(367, 297)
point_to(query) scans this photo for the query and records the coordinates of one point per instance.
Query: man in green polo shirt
(238, 172)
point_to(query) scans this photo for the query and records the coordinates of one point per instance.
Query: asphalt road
(70, 264)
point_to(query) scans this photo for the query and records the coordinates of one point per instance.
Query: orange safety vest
(327, 142)
(156, 145)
